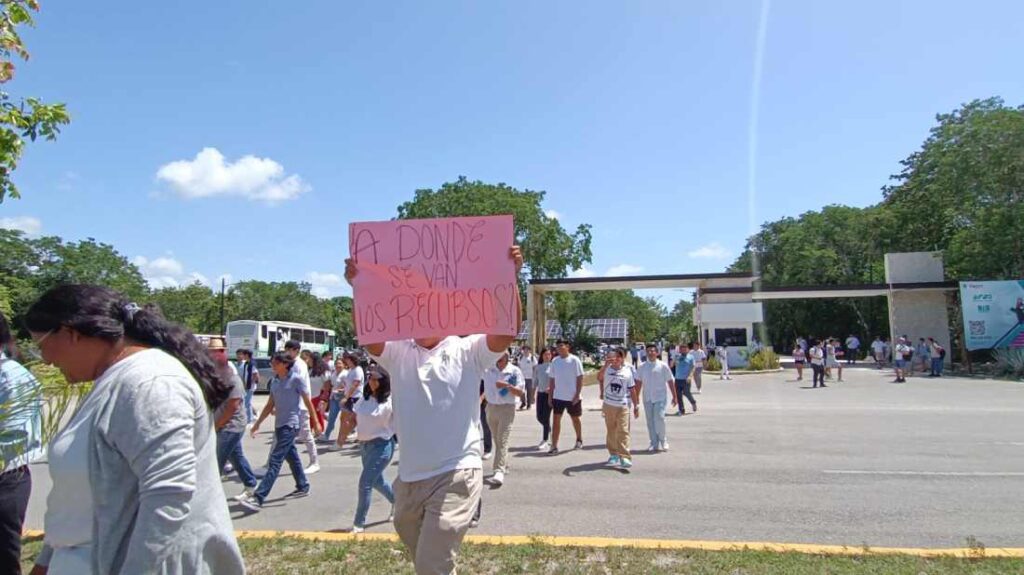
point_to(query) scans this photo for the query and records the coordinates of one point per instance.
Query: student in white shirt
(376, 435)
(618, 390)
(353, 387)
(565, 375)
(503, 384)
(654, 382)
(817, 358)
(435, 383)
(337, 397)
(527, 362)
(699, 355)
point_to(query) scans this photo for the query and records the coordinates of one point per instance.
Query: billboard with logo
(993, 313)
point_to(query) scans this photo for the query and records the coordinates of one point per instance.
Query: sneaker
(228, 468)
(696, 392)
(487, 456)
(473, 523)
(391, 514)
(664, 446)
(614, 460)
(652, 448)
(299, 493)
(579, 444)
(251, 503)
(499, 478)
(543, 446)
(245, 494)
(625, 463)
(553, 451)
(356, 529)
(312, 469)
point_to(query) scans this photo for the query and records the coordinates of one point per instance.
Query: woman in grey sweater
(136, 487)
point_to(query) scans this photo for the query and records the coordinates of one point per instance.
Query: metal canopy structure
(832, 291)
(601, 328)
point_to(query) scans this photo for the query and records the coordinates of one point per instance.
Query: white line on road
(926, 473)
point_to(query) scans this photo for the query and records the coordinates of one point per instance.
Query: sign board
(433, 277)
(993, 313)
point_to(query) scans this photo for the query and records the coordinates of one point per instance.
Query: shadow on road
(598, 466)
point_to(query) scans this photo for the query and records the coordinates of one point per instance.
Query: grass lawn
(286, 555)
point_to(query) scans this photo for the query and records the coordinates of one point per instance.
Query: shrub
(712, 364)
(1009, 361)
(763, 360)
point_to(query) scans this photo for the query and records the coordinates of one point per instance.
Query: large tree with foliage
(549, 251)
(21, 119)
(963, 192)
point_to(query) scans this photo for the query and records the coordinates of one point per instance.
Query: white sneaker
(356, 529)
(245, 494)
(312, 469)
(543, 446)
(652, 449)
(487, 456)
(499, 478)
(664, 446)
(391, 514)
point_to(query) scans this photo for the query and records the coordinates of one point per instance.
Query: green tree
(194, 306)
(21, 119)
(548, 250)
(677, 325)
(963, 192)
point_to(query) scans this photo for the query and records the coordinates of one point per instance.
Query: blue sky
(635, 117)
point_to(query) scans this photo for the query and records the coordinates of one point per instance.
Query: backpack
(942, 353)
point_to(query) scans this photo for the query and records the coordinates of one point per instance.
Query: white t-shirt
(563, 373)
(526, 365)
(338, 386)
(656, 377)
(374, 420)
(511, 374)
(617, 383)
(436, 398)
(698, 356)
(354, 379)
(302, 370)
(817, 355)
(852, 343)
(877, 346)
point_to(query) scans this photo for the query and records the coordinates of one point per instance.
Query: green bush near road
(299, 556)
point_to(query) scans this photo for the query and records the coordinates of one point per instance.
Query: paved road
(927, 463)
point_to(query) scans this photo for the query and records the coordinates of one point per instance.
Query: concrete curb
(666, 544)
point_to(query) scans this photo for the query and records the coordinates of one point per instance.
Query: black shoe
(299, 493)
(823, 385)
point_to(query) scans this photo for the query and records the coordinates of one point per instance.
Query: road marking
(665, 544)
(925, 473)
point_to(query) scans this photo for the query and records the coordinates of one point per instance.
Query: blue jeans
(333, 409)
(284, 449)
(377, 454)
(937, 366)
(683, 391)
(229, 448)
(654, 412)
(250, 413)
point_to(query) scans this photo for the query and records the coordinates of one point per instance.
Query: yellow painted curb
(666, 544)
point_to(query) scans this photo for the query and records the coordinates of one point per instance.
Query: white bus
(264, 338)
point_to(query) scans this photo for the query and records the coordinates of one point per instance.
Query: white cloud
(167, 272)
(553, 214)
(31, 226)
(714, 250)
(327, 285)
(583, 272)
(623, 270)
(252, 178)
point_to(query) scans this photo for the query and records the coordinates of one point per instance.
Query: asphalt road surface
(927, 463)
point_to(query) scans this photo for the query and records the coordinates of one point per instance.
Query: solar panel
(601, 328)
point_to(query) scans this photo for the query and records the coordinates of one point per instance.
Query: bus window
(321, 336)
(263, 331)
(307, 335)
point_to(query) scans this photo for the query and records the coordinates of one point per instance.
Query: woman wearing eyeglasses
(136, 466)
(375, 433)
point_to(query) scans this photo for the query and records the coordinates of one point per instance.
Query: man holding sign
(417, 284)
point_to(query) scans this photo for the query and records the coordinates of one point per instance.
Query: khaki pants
(499, 419)
(616, 421)
(433, 515)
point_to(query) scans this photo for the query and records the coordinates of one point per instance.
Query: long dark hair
(383, 385)
(102, 313)
(319, 367)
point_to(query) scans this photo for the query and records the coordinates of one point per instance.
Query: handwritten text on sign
(422, 278)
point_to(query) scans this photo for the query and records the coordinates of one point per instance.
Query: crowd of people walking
(828, 355)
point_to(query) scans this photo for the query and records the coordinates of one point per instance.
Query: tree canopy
(21, 119)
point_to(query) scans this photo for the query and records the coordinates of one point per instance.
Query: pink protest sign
(436, 277)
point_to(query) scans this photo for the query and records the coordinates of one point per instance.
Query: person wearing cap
(435, 384)
(503, 384)
(902, 356)
(230, 419)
